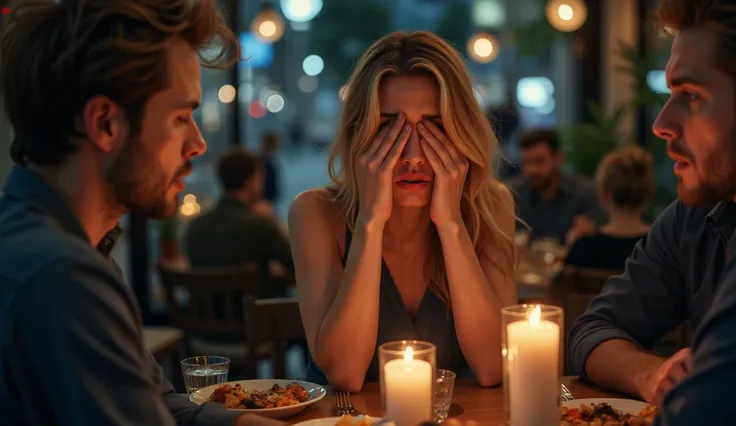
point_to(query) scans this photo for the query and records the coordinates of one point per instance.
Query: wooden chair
(208, 301)
(274, 322)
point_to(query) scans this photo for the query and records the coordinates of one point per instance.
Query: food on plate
(348, 421)
(240, 398)
(604, 415)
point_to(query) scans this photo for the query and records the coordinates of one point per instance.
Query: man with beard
(678, 272)
(100, 94)
(551, 202)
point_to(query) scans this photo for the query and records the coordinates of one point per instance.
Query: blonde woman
(625, 180)
(414, 238)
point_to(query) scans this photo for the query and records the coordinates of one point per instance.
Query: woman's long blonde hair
(423, 53)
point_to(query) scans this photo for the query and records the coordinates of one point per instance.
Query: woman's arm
(479, 289)
(339, 307)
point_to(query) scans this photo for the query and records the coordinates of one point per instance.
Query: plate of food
(606, 411)
(268, 398)
(346, 421)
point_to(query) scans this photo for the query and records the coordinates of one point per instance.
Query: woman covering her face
(413, 239)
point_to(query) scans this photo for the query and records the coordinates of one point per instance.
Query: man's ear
(104, 123)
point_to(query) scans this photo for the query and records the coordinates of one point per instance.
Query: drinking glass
(202, 371)
(444, 385)
(407, 371)
(531, 352)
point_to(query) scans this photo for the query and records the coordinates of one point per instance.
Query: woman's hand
(450, 168)
(375, 169)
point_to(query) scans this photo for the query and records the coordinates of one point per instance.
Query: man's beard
(139, 185)
(718, 181)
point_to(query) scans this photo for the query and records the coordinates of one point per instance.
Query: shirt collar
(723, 217)
(24, 184)
(566, 185)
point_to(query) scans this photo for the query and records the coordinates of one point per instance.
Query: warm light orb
(267, 28)
(565, 12)
(535, 316)
(227, 94)
(483, 48)
(566, 15)
(267, 25)
(408, 355)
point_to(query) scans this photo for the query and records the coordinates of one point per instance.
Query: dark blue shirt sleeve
(706, 397)
(78, 356)
(643, 304)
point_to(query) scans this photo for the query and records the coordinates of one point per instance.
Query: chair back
(208, 300)
(276, 322)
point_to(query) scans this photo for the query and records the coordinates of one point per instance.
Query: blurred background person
(240, 229)
(270, 147)
(625, 181)
(549, 200)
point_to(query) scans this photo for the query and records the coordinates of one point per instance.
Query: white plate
(625, 405)
(316, 392)
(332, 421)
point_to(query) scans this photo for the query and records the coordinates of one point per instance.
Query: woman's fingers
(433, 158)
(397, 148)
(385, 145)
(440, 151)
(446, 143)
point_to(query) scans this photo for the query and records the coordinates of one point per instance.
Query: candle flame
(408, 355)
(535, 316)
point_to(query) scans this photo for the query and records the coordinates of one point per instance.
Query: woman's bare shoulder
(318, 204)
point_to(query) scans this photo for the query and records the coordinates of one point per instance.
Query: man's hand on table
(664, 378)
(253, 420)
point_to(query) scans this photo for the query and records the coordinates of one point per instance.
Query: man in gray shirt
(678, 272)
(550, 201)
(100, 94)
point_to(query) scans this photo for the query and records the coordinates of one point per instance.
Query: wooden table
(162, 342)
(165, 343)
(469, 402)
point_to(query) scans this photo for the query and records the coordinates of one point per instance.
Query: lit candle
(533, 363)
(408, 390)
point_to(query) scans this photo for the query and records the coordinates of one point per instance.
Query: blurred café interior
(588, 74)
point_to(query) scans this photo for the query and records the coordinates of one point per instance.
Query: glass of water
(202, 371)
(444, 385)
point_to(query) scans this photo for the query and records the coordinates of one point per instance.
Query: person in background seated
(239, 230)
(678, 271)
(101, 95)
(550, 201)
(625, 184)
(414, 238)
(270, 146)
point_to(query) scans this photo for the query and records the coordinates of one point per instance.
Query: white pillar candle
(408, 390)
(533, 363)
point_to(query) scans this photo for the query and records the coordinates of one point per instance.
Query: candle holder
(531, 352)
(407, 370)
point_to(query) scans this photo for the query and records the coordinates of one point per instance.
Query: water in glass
(202, 371)
(207, 376)
(444, 387)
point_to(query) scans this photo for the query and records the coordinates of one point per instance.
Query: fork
(344, 405)
(565, 394)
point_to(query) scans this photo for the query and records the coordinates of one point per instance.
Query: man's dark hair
(236, 167)
(56, 55)
(540, 137)
(718, 16)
